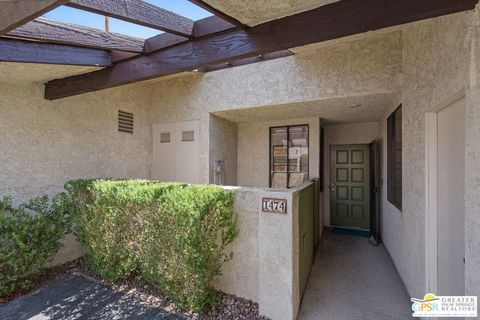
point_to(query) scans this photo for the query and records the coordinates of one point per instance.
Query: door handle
(332, 187)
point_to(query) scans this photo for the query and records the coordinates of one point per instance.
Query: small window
(188, 136)
(288, 156)
(125, 122)
(165, 137)
(394, 158)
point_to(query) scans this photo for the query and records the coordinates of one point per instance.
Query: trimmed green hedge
(30, 235)
(173, 235)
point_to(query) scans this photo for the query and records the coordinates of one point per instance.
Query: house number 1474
(274, 205)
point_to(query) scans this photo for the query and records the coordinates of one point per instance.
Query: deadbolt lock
(332, 187)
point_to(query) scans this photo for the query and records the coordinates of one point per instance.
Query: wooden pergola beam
(245, 61)
(210, 25)
(138, 12)
(14, 13)
(336, 20)
(45, 30)
(122, 55)
(162, 41)
(203, 27)
(12, 50)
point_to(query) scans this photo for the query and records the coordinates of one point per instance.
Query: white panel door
(451, 202)
(187, 152)
(164, 152)
(176, 152)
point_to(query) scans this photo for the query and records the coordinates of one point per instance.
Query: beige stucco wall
(265, 265)
(436, 67)
(348, 133)
(46, 143)
(472, 167)
(241, 274)
(356, 68)
(43, 144)
(253, 146)
(223, 139)
(278, 251)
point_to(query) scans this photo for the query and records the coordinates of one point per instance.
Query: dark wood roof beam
(203, 27)
(16, 13)
(245, 61)
(12, 50)
(333, 21)
(45, 30)
(162, 41)
(211, 25)
(138, 12)
(118, 55)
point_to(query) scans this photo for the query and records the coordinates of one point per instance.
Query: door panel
(350, 186)
(358, 174)
(164, 157)
(187, 152)
(176, 151)
(451, 203)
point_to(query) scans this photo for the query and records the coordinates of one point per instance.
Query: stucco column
(278, 272)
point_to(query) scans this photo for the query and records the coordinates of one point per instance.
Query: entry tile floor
(353, 280)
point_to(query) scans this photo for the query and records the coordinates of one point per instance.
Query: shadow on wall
(81, 299)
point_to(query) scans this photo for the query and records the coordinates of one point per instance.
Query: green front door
(350, 186)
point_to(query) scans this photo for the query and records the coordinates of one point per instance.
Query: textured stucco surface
(278, 252)
(472, 166)
(264, 267)
(223, 146)
(71, 250)
(349, 69)
(349, 133)
(436, 57)
(28, 72)
(358, 68)
(335, 110)
(253, 146)
(44, 144)
(472, 192)
(241, 274)
(251, 12)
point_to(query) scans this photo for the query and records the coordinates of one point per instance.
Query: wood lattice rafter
(46, 30)
(138, 12)
(12, 50)
(16, 13)
(336, 20)
(179, 28)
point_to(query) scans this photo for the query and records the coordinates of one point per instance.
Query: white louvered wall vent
(125, 122)
(165, 137)
(188, 136)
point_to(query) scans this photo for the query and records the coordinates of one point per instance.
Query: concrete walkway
(353, 280)
(79, 298)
